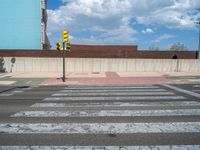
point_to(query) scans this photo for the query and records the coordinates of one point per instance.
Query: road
(100, 117)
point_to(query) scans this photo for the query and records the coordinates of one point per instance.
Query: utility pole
(198, 23)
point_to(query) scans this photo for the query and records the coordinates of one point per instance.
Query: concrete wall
(82, 65)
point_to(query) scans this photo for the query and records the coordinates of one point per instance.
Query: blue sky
(160, 23)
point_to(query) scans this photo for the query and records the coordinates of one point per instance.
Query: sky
(146, 23)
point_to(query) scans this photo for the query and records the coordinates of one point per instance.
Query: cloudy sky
(125, 22)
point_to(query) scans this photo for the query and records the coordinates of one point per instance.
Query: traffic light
(65, 36)
(68, 46)
(58, 47)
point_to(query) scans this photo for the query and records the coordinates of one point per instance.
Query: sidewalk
(105, 78)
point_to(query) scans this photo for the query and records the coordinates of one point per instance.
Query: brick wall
(80, 51)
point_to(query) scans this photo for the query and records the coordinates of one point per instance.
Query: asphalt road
(100, 117)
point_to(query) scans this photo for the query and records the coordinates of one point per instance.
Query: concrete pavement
(103, 78)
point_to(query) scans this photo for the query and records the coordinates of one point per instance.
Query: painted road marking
(100, 128)
(114, 98)
(6, 94)
(113, 90)
(112, 87)
(119, 104)
(12, 92)
(182, 90)
(18, 91)
(196, 86)
(51, 105)
(109, 113)
(113, 94)
(153, 147)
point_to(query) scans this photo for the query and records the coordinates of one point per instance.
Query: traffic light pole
(63, 62)
(199, 43)
(65, 39)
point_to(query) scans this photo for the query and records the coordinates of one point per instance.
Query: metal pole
(199, 41)
(63, 62)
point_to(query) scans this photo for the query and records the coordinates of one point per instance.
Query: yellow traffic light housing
(68, 46)
(65, 36)
(58, 47)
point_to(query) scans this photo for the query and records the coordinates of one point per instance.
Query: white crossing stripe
(112, 87)
(100, 128)
(113, 90)
(51, 105)
(154, 147)
(114, 98)
(109, 113)
(118, 104)
(182, 90)
(113, 94)
(18, 91)
(196, 86)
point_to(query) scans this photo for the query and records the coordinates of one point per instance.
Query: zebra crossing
(142, 114)
(180, 147)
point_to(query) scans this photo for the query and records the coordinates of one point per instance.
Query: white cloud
(164, 37)
(71, 37)
(110, 21)
(148, 30)
(171, 14)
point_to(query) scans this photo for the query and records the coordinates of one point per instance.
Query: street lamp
(198, 23)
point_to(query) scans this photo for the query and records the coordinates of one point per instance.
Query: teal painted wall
(20, 24)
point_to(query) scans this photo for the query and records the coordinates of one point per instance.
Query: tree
(178, 47)
(153, 48)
